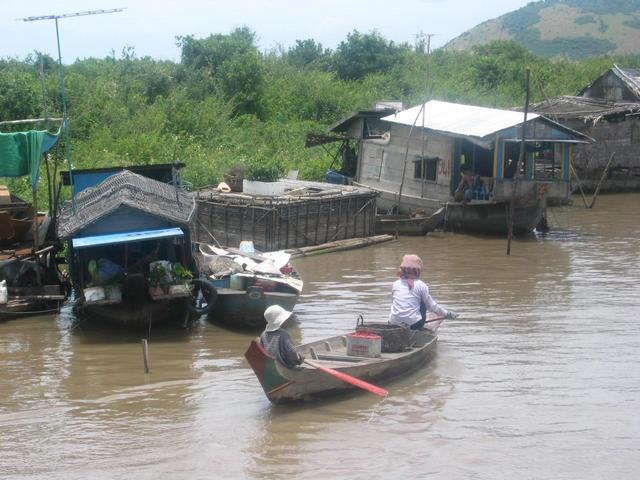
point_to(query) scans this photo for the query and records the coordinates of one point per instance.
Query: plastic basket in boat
(395, 338)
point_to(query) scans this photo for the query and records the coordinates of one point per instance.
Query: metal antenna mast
(65, 120)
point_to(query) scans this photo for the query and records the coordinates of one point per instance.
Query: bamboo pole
(516, 176)
(145, 355)
(584, 198)
(602, 178)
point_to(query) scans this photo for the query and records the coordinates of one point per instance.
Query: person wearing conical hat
(276, 340)
(410, 298)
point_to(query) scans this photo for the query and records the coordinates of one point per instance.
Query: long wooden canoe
(282, 384)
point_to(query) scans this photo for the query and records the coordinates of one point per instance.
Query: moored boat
(30, 282)
(491, 217)
(408, 224)
(247, 283)
(129, 246)
(282, 384)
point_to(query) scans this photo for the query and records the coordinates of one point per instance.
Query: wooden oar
(356, 382)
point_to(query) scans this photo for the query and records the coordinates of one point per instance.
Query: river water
(539, 377)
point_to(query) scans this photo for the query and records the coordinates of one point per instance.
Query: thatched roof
(588, 109)
(125, 189)
(630, 77)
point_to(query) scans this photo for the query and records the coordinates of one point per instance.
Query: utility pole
(65, 119)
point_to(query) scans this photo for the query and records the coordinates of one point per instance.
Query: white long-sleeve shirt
(405, 302)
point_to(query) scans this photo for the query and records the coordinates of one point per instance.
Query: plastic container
(94, 294)
(236, 282)
(364, 344)
(246, 246)
(4, 293)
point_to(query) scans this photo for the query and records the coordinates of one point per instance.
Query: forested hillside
(571, 28)
(227, 103)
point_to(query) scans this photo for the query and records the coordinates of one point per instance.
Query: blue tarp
(125, 237)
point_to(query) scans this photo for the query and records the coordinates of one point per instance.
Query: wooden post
(326, 234)
(35, 235)
(602, 178)
(516, 176)
(584, 198)
(145, 355)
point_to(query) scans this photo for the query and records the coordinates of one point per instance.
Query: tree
(307, 53)
(230, 64)
(363, 54)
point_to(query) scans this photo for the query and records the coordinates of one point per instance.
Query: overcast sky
(150, 26)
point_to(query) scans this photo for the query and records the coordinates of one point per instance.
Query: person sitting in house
(276, 341)
(410, 295)
(464, 192)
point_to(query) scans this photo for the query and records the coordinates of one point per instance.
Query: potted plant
(157, 280)
(181, 277)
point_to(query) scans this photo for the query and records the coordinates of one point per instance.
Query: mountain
(573, 28)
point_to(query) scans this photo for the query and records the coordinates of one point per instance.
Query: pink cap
(411, 261)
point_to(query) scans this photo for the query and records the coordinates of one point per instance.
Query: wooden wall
(280, 224)
(381, 166)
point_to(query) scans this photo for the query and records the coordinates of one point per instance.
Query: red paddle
(356, 382)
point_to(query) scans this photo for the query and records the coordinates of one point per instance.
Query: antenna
(65, 120)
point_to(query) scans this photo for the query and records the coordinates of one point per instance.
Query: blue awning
(125, 237)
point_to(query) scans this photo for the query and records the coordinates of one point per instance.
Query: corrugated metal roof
(459, 119)
(126, 237)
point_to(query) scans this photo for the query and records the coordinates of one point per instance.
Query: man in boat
(410, 297)
(276, 340)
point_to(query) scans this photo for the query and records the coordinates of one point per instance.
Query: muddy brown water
(539, 377)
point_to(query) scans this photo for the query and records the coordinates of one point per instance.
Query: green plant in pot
(157, 280)
(181, 274)
(265, 170)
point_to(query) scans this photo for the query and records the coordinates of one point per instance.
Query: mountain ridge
(572, 28)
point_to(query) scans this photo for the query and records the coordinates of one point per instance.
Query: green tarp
(21, 153)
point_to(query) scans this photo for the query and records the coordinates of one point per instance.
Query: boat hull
(138, 314)
(491, 217)
(282, 384)
(245, 309)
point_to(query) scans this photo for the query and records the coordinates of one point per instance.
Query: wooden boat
(410, 225)
(129, 246)
(243, 297)
(491, 217)
(28, 266)
(243, 305)
(282, 384)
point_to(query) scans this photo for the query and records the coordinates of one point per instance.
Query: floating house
(129, 247)
(415, 158)
(608, 110)
(29, 279)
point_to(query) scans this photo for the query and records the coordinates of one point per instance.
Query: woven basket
(395, 338)
(234, 182)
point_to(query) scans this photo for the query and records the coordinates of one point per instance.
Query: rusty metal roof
(588, 109)
(459, 119)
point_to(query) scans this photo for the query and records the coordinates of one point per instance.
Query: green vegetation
(226, 104)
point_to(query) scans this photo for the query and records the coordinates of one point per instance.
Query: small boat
(410, 225)
(247, 286)
(282, 384)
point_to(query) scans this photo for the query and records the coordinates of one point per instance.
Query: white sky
(150, 26)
